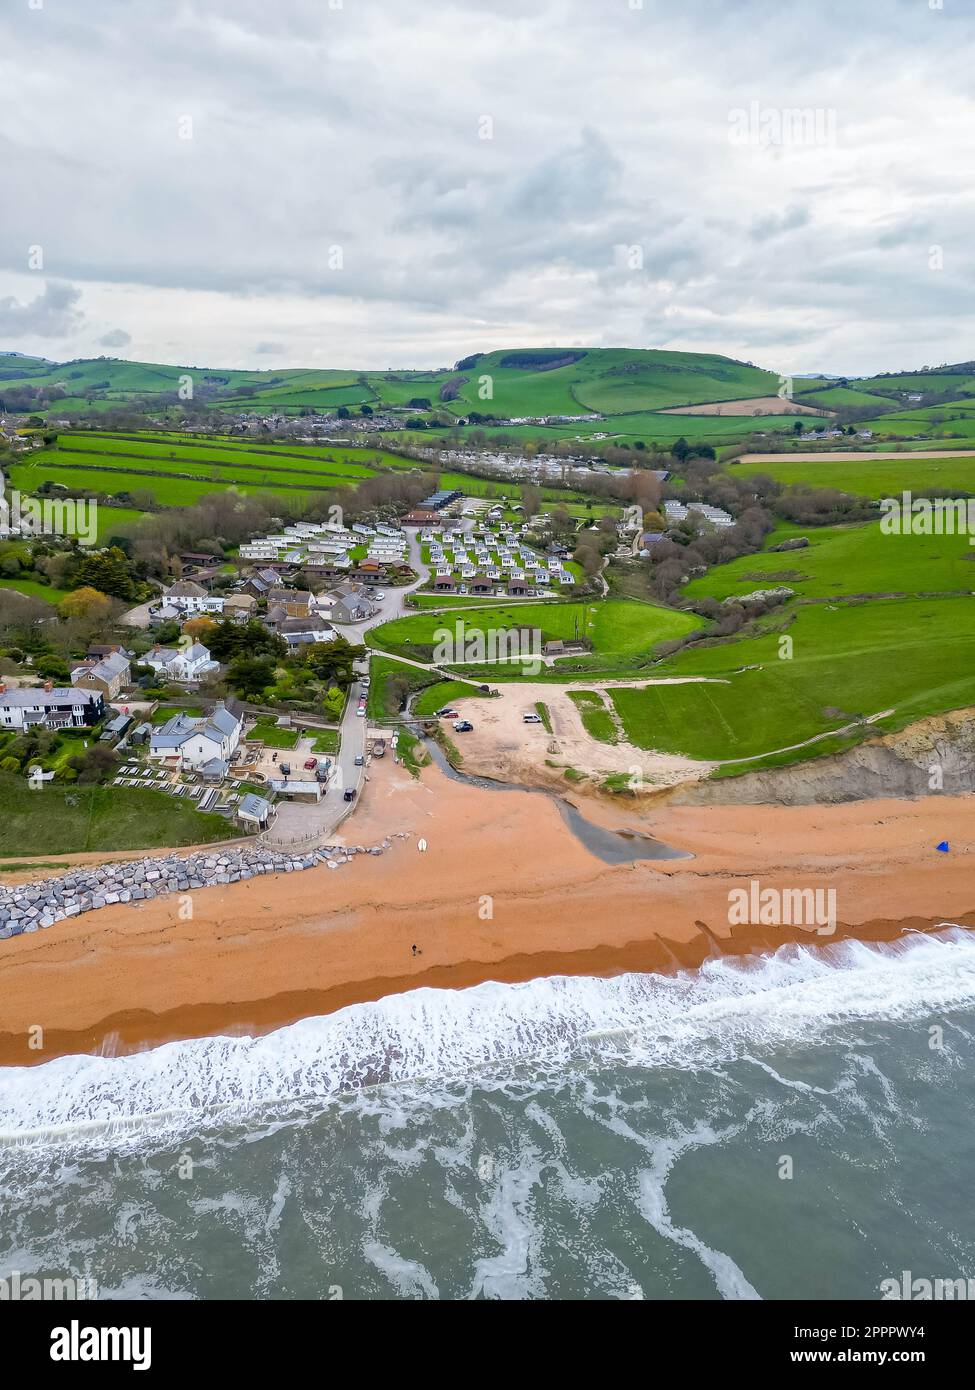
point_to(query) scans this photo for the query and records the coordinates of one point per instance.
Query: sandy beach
(503, 890)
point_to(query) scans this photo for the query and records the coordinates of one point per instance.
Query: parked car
(529, 718)
(286, 769)
(360, 760)
(349, 794)
(361, 711)
(311, 764)
(447, 713)
(380, 595)
(463, 726)
(364, 682)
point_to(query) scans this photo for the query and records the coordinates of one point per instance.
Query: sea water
(794, 1125)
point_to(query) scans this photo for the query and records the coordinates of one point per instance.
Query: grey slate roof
(60, 695)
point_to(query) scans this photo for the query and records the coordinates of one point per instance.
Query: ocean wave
(730, 1007)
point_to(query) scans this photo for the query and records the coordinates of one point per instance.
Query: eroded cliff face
(933, 757)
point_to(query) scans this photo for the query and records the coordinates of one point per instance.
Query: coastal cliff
(934, 757)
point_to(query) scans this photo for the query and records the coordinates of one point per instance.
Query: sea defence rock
(30, 906)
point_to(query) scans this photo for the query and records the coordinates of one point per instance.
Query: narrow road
(298, 822)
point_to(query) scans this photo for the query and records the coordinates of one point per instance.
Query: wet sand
(503, 891)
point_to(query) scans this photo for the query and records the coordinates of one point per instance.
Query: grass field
(835, 397)
(616, 627)
(269, 733)
(662, 430)
(914, 655)
(123, 465)
(72, 820)
(443, 693)
(117, 521)
(34, 590)
(846, 560)
(870, 477)
(380, 702)
(596, 718)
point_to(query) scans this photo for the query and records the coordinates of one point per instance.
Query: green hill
(617, 394)
(557, 381)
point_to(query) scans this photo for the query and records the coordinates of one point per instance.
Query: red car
(311, 764)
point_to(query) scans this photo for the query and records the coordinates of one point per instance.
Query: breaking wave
(731, 1007)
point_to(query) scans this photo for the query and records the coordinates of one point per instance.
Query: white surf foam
(729, 1008)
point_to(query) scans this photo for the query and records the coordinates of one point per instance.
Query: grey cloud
(776, 224)
(116, 338)
(52, 314)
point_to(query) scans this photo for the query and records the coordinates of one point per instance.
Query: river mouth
(611, 846)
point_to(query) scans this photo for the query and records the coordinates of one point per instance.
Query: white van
(530, 718)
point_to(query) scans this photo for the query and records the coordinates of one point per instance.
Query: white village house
(181, 663)
(188, 597)
(194, 742)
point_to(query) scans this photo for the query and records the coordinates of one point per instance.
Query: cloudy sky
(374, 183)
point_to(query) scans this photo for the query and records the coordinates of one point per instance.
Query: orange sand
(503, 891)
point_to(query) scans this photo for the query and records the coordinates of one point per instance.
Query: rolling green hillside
(179, 471)
(623, 391)
(561, 381)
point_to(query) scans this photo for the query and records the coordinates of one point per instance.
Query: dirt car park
(502, 740)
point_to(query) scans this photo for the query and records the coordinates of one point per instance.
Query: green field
(380, 702)
(33, 589)
(116, 521)
(846, 560)
(662, 430)
(443, 693)
(916, 656)
(870, 477)
(72, 820)
(952, 420)
(121, 466)
(836, 397)
(596, 718)
(272, 735)
(617, 628)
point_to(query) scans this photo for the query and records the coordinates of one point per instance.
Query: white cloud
(335, 200)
